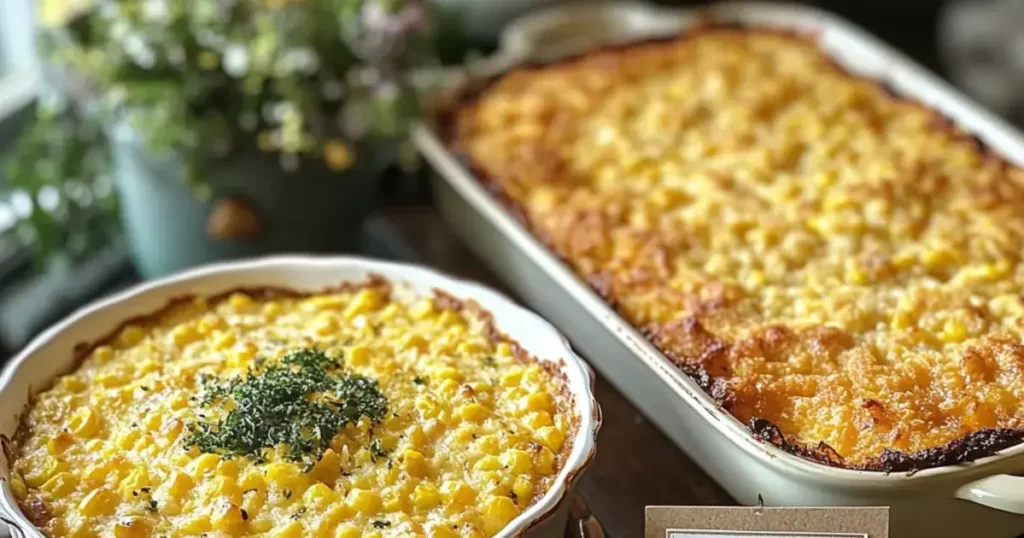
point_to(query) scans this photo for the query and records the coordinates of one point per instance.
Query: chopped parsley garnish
(152, 506)
(381, 524)
(302, 402)
(418, 380)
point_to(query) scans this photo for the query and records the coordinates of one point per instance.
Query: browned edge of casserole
(975, 445)
(37, 512)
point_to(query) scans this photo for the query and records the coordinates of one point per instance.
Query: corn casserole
(342, 414)
(838, 267)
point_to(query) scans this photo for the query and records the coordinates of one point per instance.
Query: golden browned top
(474, 430)
(817, 252)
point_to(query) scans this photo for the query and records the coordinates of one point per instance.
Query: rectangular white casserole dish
(977, 499)
(53, 353)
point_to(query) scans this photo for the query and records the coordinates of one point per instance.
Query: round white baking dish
(52, 353)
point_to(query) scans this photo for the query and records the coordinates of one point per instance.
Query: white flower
(48, 198)
(119, 29)
(21, 203)
(139, 51)
(302, 60)
(280, 111)
(236, 60)
(155, 10)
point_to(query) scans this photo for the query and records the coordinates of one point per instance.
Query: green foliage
(204, 78)
(62, 167)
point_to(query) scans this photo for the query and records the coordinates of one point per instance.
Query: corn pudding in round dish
(373, 408)
(839, 268)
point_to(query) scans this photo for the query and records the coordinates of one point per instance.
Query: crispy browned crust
(973, 446)
(36, 510)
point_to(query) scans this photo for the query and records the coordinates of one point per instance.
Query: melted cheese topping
(474, 433)
(824, 255)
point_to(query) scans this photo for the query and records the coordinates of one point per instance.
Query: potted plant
(225, 128)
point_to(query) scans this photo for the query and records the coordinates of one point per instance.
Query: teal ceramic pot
(265, 209)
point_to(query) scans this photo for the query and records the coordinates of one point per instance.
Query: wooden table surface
(636, 464)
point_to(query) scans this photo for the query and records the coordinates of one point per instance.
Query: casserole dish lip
(578, 377)
(431, 135)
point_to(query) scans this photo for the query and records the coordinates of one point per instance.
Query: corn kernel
(60, 485)
(128, 439)
(421, 309)
(130, 336)
(18, 486)
(544, 461)
(474, 412)
(498, 512)
(224, 341)
(103, 354)
(426, 496)
(202, 464)
(325, 324)
(539, 401)
(441, 530)
(939, 258)
(415, 341)
(359, 356)
(512, 378)
(523, 488)
(184, 335)
(319, 495)
(59, 443)
(243, 356)
(227, 517)
(458, 492)
(131, 527)
(448, 373)
(196, 525)
(487, 463)
(99, 502)
(272, 309)
(178, 485)
(292, 530)
(85, 422)
(953, 330)
(348, 531)
(328, 468)
(240, 302)
(450, 318)
(131, 484)
(537, 420)
(363, 501)
(367, 300)
(415, 464)
(517, 461)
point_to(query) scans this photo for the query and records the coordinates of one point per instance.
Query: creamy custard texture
(474, 431)
(815, 251)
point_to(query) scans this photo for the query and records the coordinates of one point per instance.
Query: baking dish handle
(1002, 492)
(560, 31)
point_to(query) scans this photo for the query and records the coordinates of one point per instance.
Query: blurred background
(140, 137)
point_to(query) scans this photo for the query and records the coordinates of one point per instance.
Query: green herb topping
(300, 403)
